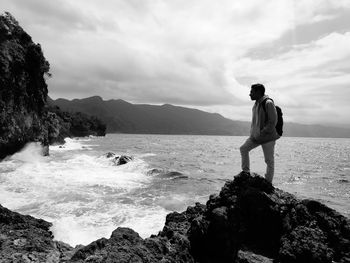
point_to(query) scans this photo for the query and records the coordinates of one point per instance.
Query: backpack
(279, 125)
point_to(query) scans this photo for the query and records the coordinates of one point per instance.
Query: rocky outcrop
(250, 214)
(27, 239)
(23, 90)
(118, 159)
(248, 222)
(24, 113)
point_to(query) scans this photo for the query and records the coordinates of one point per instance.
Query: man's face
(254, 95)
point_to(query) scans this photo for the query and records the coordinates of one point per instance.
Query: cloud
(308, 78)
(196, 53)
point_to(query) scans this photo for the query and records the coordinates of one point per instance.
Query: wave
(32, 152)
(72, 144)
(79, 191)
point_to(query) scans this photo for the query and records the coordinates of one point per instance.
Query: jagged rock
(248, 222)
(23, 90)
(250, 213)
(26, 239)
(123, 159)
(171, 245)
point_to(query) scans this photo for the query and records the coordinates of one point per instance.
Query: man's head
(257, 91)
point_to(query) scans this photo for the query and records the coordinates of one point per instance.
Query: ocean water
(86, 196)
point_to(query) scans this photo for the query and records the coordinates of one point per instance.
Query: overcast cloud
(198, 53)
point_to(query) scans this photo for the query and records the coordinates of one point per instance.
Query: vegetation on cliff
(67, 124)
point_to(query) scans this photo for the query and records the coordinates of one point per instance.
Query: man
(262, 131)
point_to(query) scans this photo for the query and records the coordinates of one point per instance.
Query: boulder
(123, 159)
(250, 214)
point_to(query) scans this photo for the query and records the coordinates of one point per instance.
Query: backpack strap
(263, 103)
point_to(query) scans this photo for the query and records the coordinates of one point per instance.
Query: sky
(200, 54)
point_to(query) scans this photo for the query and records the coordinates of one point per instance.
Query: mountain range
(124, 117)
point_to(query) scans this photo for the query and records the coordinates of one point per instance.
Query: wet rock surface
(123, 159)
(118, 159)
(249, 221)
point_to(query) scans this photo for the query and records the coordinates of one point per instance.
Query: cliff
(248, 221)
(23, 90)
(24, 113)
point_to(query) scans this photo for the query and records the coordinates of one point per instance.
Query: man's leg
(269, 152)
(245, 149)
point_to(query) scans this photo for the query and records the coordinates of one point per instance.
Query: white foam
(71, 144)
(31, 153)
(81, 194)
(86, 228)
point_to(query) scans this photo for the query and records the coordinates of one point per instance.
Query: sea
(81, 190)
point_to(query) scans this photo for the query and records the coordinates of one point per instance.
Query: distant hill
(124, 117)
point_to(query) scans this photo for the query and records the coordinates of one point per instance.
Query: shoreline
(249, 219)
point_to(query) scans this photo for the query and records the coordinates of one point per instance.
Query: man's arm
(271, 118)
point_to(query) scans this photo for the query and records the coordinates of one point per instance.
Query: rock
(250, 257)
(250, 213)
(26, 239)
(125, 245)
(174, 175)
(23, 88)
(154, 171)
(123, 159)
(249, 221)
(109, 155)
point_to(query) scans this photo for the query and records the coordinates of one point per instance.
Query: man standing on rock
(262, 131)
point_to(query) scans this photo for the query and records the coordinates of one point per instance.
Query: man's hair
(259, 87)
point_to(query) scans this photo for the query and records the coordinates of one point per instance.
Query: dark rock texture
(24, 113)
(248, 222)
(23, 90)
(123, 159)
(26, 239)
(118, 159)
(250, 214)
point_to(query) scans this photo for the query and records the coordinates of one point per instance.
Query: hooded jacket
(263, 123)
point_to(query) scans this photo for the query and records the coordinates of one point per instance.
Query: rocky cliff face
(24, 113)
(23, 90)
(248, 222)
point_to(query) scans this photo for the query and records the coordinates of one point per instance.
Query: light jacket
(263, 123)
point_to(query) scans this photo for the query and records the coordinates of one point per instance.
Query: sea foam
(85, 196)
